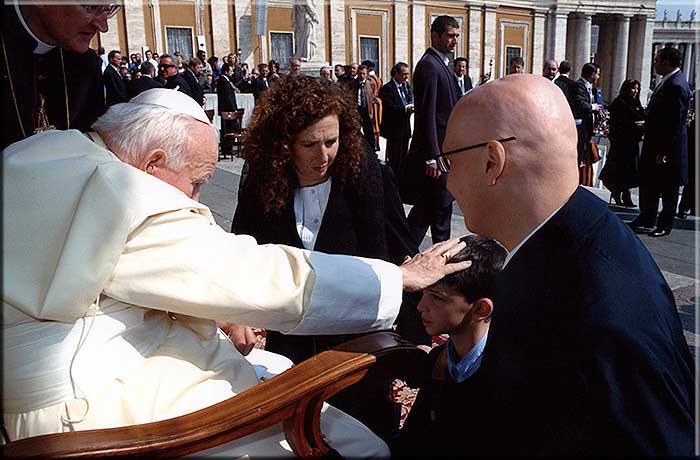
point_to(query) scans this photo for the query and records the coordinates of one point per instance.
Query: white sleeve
(180, 262)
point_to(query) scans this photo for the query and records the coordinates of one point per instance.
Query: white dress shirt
(309, 206)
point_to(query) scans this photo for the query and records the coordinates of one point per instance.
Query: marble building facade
(398, 30)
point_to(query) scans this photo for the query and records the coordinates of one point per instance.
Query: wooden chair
(294, 398)
(231, 139)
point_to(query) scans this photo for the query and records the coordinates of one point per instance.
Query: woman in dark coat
(313, 183)
(621, 171)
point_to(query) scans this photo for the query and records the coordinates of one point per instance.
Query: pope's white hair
(132, 130)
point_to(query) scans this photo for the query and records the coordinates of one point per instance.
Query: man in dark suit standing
(191, 75)
(434, 94)
(169, 74)
(663, 166)
(115, 87)
(226, 100)
(397, 103)
(464, 82)
(48, 61)
(565, 83)
(584, 106)
(363, 91)
(585, 352)
(147, 80)
(261, 84)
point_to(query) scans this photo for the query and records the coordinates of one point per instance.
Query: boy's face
(443, 310)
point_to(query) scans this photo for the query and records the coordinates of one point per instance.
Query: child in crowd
(459, 305)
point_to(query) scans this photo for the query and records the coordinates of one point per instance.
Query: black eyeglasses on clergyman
(443, 163)
(110, 9)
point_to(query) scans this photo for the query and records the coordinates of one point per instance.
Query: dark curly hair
(281, 113)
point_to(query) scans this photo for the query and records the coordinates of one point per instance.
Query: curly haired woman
(313, 183)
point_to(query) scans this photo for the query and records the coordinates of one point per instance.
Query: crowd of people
(564, 337)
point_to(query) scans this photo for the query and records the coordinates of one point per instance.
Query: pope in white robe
(113, 280)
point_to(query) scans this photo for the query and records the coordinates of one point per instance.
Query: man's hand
(432, 171)
(242, 337)
(430, 266)
(661, 159)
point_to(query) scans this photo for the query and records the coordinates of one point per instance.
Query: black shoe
(638, 228)
(683, 213)
(615, 196)
(660, 232)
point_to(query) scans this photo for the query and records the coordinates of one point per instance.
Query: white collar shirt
(41, 47)
(309, 207)
(443, 56)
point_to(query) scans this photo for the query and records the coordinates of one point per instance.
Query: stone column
(474, 52)
(157, 27)
(135, 26)
(337, 26)
(605, 55)
(580, 52)
(418, 32)
(618, 68)
(571, 37)
(639, 52)
(555, 40)
(490, 35)
(220, 28)
(244, 29)
(538, 55)
(110, 40)
(401, 51)
(687, 59)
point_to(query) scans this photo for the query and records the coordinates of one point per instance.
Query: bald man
(586, 353)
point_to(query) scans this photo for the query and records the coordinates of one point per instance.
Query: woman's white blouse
(309, 205)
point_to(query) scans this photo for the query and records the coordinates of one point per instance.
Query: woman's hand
(242, 337)
(430, 266)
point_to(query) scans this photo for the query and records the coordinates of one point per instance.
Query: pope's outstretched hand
(430, 266)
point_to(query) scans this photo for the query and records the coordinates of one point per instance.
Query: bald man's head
(502, 182)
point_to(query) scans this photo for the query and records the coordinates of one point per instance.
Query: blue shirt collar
(468, 365)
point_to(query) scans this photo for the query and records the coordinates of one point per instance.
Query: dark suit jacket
(259, 87)
(83, 73)
(115, 86)
(177, 81)
(434, 94)
(467, 85)
(582, 107)
(585, 353)
(226, 96)
(566, 84)
(666, 132)
(196, 90)
(139, 85)
(396, 122)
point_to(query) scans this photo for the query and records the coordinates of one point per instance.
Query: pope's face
(315, 150)
(70, 26)
(199, 167)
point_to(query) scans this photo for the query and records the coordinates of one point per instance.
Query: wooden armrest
(395, 355)
(294, 397)
(237, 115)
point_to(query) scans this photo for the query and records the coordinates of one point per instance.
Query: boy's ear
(482, 310)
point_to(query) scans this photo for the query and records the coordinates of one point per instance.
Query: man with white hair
(116, 274)
(585, 353)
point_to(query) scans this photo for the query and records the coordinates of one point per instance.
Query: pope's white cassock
(112, 280)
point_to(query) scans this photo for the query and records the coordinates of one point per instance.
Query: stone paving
(676, 254)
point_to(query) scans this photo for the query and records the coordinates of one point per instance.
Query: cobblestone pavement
(676, 254)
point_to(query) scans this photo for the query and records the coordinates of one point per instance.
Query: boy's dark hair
(460, 59)
(517, 60)
(477, 281)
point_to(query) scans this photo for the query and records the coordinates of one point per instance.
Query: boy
(459, 305)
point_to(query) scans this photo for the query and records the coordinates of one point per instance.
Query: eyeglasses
(110, 9)
(165, 66)
(443, 163)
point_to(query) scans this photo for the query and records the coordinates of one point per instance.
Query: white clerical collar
(443, 56)
(41, 47)
(519, 245)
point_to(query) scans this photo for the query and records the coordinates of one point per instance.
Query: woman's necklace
(42, 119)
